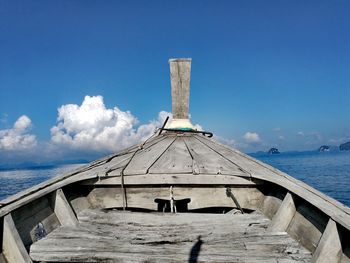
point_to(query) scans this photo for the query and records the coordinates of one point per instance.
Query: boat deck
(117, 236)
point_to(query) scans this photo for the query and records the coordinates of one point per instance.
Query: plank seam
(239, 167)
(147, 171)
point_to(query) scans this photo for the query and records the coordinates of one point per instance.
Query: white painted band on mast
(180, 73)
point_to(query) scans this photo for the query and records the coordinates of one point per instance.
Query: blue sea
(328, 172)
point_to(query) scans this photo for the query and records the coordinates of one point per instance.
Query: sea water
(13, 181)
(328, 172)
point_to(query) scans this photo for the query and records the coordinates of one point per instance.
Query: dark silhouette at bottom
(195, 251)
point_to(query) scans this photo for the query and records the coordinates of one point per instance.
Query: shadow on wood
(195, 251)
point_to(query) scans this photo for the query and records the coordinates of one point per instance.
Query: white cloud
(281, 137)
(252, 137)
(18, 137)
(277, 129)
(226, 141)
(301, 133)
(92, 126)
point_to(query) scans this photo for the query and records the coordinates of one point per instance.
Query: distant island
(273, 151)
(344, 146)
(324, 148)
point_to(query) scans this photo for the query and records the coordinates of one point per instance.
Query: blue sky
(264, 73)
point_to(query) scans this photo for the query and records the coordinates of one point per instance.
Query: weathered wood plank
(94, 169)
(13, 248)
(271, 203)
(174, 179)
(157, 237)
(209, 161)
(80, 203)
(145, 158)
(201, 197)
(1, 232)
(176, 159)
(284, 215)
(329, 249)
(259, 170)
(307, 226)
(63, 209)
(28, 217)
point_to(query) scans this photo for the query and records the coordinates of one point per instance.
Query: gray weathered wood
(63, 209)
(140, 237)
(329, 249)
(145, 158)
(307, 225)
(94, 169)
(174, 179)
(201, 197)
(259, 170)
(284, 215)
(180, 72)
(28, 217)
(13, 248)
(176, 159)
(208, 161)
(1, 232)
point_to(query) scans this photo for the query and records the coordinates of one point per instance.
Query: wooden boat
(178, 196)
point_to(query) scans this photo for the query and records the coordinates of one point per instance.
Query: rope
(230, 194)
(125, 201)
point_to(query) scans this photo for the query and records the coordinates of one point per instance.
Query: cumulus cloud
(18, 137)
(92, 126)
(252, 137)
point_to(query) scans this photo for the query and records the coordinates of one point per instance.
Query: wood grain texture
(174, 179)
(329, 249)
(176, 159)
(209, 161)
(13, 248)
(28, 217)
(284, 215)
(115, 236)
(201, 197)
(259, 170)
(63, 209)
(145, 158)
(307, 226)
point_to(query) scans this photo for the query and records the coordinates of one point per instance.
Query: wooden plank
(1, 232)
(225, 153)
(85, 172)
(123, 236)
(259, 170)
(307, 226)
(63, 209)
(329, 249)
(145, 158)
(209, 161)
(201, 197)
(79, 203)
(176, 159)
(13, 248)
(270, 203)
(180, 74)
(117, 165)
(28, 217)
(174, 179)
(284, 215)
